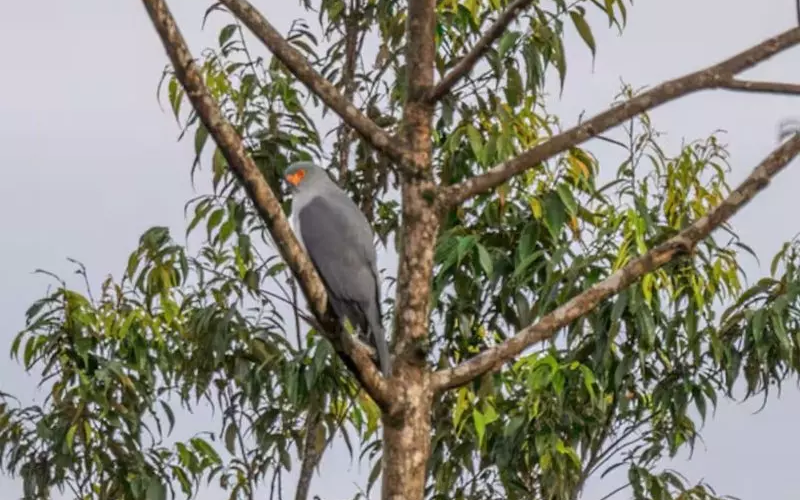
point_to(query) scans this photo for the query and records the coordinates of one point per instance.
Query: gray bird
(338, 238)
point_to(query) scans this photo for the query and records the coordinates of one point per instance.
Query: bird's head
(304, 174)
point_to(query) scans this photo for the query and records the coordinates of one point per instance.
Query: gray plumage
(339, 240)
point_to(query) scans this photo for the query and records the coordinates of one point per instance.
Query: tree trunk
(407, 428)
(407, 436)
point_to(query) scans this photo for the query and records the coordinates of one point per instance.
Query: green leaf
(780, 331)
(175, 96)
(480, 425)
(554, 214)
(226, 33)
(201, 211)
(214, 220)
(206, 450)
(475, 141)
(230, 438)
(321, 354)
(507, 41)
(583, 29)
(485, 259)
(514, 88)
(464, 246)
(566, 197)
(70, 437)
(156, 490)
(170, 415)
(757, 325)
(200, 138)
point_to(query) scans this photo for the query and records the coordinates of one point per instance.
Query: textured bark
(407, 430)
(355, 354)
(778, 88)
(718, 76)
(311, 455)
(682, 243)
(407, 438)
(351, 43)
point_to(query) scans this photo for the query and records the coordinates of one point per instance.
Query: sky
(90, 161)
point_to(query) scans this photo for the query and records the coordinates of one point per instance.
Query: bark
(356, 355)
(311, 455)
(351, 42)
(778, 88)
(682, 243)
(407, 431)
(407, 439)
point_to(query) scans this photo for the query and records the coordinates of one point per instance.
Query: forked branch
(720, 75)
(355, 354)
(469, 61)
(299, 66)
(683, 242)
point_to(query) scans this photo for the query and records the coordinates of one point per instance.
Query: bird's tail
(381, 345)
(383, 353)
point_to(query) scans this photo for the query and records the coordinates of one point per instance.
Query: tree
(506, 239)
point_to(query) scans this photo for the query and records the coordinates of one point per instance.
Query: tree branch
(718, 76)
(355, 355)
(311, 455)
(325, 90)
(351, 42)
(762, 87)
(683, 242)
(471, 59)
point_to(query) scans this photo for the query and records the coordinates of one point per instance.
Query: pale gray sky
(90, 161)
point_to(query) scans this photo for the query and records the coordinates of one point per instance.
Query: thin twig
(351, 39)
(311, 455)
(484, 43)
(762, 87)
(615, 491)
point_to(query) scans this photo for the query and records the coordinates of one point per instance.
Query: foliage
(625, 386)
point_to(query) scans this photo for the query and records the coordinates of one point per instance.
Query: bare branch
(762, 87)
(718, 76)
(355, 355)
(325, 90)
(471, 59)
(683, 242)
(311, 455)
(351, 44)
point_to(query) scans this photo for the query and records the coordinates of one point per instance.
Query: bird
(339, 240)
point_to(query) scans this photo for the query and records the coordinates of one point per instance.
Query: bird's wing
(343, 263)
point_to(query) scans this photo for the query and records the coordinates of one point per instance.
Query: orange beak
(295, 178)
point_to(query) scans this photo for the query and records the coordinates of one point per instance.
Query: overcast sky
(90, 161)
